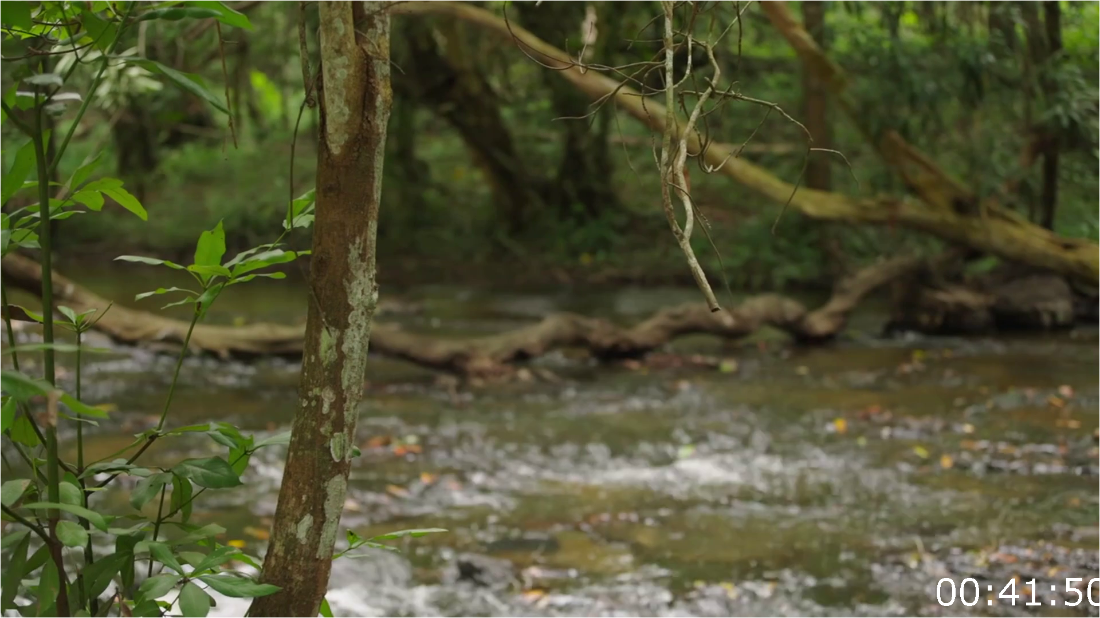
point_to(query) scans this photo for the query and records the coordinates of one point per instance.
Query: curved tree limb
(492, 355)
(946, 208)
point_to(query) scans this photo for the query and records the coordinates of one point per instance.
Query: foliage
(160, 562)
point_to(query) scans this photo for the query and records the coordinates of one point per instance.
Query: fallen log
(493, 355)
(945, 209)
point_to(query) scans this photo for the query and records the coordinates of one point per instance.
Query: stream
(845, 479)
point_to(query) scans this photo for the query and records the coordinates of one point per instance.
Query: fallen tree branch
(944, 210)
(491, 355)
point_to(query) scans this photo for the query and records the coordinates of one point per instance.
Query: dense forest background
(495, 164)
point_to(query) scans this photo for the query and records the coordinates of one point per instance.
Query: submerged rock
(480, 570)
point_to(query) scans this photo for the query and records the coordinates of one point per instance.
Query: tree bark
(946, 208)
(355, 101)
(583, 190)
(466, 100)
(489, 356)
(1052, 17)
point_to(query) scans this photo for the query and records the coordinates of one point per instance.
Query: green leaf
(147, 489)
(92, 199)
(49, 586)
(208, 297)
(103, 32)
(262, 260)
(181, 497)
(16, 14)
(12, 537)
(246, 278)
(157, 586)
(81, 408)
(209, 271)
(12, 491)
(7, 414)
(127, 201)
(22, 431)
(97, 520)
(211, 472)
(71, 534)
(226, 15)
(37, 317)
(21, 387)
(14, 571)
(162, 291)
(192, 84)
(69, 493)
(404, 533)
(194, 601)
(163, 554)
(148, 260)
(20, 169)
(185, 301)
(177, 13)
(277, 439)
(211, 247)
(99, 574)
(326, 610)
(69, 313)
(216, 558)
(82, 173)
(237, 587)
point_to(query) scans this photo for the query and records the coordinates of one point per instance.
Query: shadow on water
(838, 480)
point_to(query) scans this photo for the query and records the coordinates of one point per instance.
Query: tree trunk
(583, 189)
(1052, 16)
(815, 112)
(467, 101)
(355, 101)
(946, 208)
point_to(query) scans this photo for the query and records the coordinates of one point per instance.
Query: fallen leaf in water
(969, 445)
(968, 428)
(685, 451)
(533, 594)
(861, 441)
(1068, 422)
(257, 533)
(404, 449)
(840, 425)
(918, 355)
(397, 491)
(1066, 391)
(427, 478)
(731, 590)
(238, 543)
(351, 506)
(921, 452)
(1004, 558)
(378, 441)
(946, 462)
(632, 364)
(727, 366)
(802, 370)
(1057, 402)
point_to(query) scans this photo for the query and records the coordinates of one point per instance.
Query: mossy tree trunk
(355, 101)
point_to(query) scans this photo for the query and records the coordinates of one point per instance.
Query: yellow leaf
(921, 452)
(802, 370)
(427, 478)
(257, 533)
(968, 428)
(397, 490)
(1057, 402)
(918, 355)
(533, 594)
(841, 425)
(238, 543)
(946, 462)
(106, 407)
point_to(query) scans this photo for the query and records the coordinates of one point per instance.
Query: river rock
(480, 570)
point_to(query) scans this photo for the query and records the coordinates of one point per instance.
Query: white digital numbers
(969, 593)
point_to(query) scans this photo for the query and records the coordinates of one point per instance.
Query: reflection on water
(837, 480)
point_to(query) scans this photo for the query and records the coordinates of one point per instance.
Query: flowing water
(839, 480)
